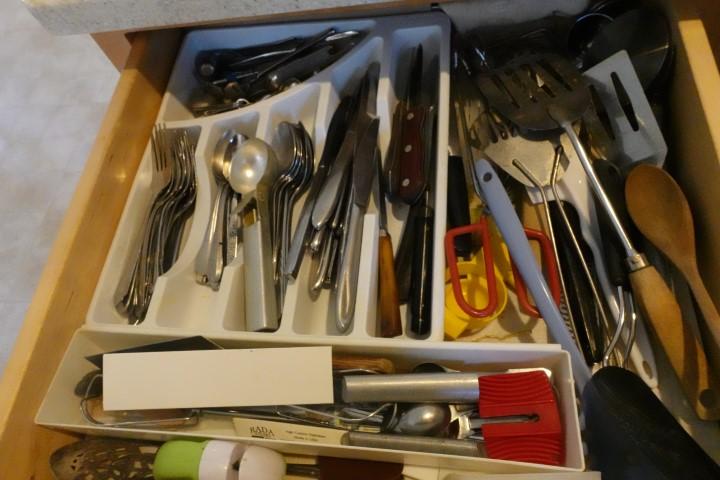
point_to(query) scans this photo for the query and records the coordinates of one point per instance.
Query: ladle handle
(682, 347)
(599, 191)
(261, 309)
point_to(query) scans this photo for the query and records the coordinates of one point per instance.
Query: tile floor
(53, 94)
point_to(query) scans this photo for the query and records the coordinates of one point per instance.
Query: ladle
(253, 170)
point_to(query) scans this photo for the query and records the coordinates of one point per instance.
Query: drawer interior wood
(68, 281)
(67, 284)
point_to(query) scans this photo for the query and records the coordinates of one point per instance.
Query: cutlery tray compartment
(179, 303)
(60, 409)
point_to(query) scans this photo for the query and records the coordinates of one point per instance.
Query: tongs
(481, 228)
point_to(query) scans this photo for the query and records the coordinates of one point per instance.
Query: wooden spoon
(660, 210)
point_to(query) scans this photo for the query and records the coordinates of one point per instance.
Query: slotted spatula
(104, 459)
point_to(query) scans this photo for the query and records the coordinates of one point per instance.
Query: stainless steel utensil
(233, 78)
(430, 419)
(412, 388)
(544, 92)
(363, 172)
(173, 154)
(508, 148)
(253, 171)
(446, 446)
(100, 457)
(294, 148)
(333, 140)
(219, 244)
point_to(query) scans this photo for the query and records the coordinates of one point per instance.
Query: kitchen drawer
(67, 285)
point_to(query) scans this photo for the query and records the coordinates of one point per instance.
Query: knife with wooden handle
(408, 170)
(389, 312)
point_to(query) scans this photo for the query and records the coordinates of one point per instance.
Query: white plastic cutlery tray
(182, 307)
(179, 304)
(60, 409)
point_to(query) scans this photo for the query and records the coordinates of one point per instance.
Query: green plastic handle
(179, 460)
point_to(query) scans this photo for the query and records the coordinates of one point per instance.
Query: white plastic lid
(218, 459)
(258, 463)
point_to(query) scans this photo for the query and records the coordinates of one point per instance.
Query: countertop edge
(68, 17)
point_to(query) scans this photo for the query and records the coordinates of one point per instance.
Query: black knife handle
(420, 301)
(458, 207)
(613, 182)
(403, 258)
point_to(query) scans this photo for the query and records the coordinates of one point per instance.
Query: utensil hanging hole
(625, 101)
(646, 368)
(539, 81)
(487, 177)
(554, 74)
(708, 399)
(503, 88)
(601, 112)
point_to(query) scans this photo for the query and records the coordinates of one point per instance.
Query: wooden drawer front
(67, 284)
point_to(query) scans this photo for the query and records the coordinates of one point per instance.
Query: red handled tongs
(483, 231)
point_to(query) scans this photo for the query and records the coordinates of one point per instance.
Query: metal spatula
(535, 152)
(546, 92)
(537, 92)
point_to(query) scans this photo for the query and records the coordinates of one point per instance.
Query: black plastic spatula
(632, 436)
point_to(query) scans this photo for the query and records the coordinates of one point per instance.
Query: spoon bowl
(222, 155)
(661, 212)
(252, 163)
(429, 419)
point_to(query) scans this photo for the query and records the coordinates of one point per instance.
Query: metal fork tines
(173, 203)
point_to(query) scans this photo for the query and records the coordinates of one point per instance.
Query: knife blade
(333, 141)
(363, 173)
(330, 193)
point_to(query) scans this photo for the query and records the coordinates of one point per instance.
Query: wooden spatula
(659, 209)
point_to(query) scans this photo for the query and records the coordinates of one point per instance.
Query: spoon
(428, 419)
(216, 251)
(253, 162)
(253, 169)
(661, 212)
(224, 150)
